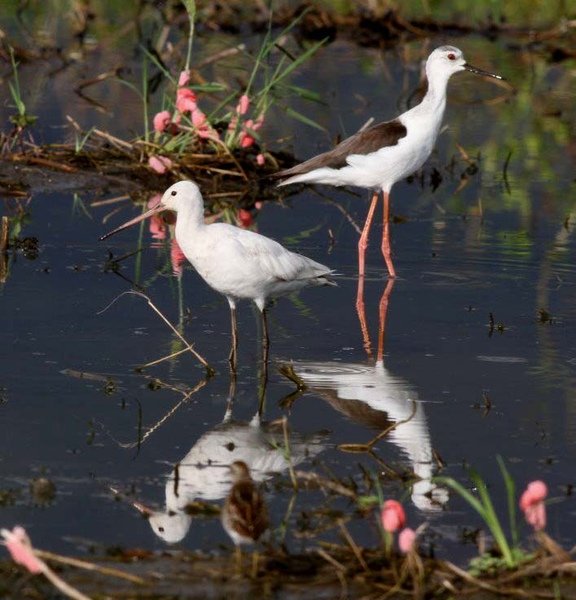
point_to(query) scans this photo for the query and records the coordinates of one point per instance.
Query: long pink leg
(386, 248)
(361, 311)
(363, 241)
(382, 321)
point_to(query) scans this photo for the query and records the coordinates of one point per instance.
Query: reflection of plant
(511, 555)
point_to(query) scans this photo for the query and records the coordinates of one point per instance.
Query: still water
(488, 241)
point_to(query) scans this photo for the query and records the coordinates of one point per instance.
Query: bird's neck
(435, 98)
(189, 221)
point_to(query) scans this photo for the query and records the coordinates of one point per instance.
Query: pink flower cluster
(393, 519)
(187, 104)
(532, 504)
(247, 128)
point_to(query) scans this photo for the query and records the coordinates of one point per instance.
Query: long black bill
(158, 208)
(478, 71)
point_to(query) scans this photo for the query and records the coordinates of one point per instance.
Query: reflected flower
(532, 504)
(406, 540)
(157, 227)
(177, 258)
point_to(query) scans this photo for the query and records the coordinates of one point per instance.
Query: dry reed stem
(89, 566)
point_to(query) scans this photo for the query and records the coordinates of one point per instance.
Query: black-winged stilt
(379, 156)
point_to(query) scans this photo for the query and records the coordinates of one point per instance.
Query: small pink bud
(160, 164)
(243, 105)
(393, 516)
(532, 504)
(406, 540)
(161, 120)
(184, 78)
(246, 140)
(198, 118)
(20, 548)
(260, 160)
(185, 100)
(535, 492)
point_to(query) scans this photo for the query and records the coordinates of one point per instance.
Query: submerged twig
(209, 370)
(4, 234)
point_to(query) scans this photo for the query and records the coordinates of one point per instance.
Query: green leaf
(305, 93)
(300, 117)
(511, 496)
(190, 6)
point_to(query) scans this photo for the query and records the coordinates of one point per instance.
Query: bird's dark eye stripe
(173, 193)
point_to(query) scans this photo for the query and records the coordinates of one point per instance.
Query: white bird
(379, 156)
(238, 263)
(204, 474)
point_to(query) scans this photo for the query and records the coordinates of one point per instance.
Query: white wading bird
(238, 263)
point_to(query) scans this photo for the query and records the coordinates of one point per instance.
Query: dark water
(500, 245)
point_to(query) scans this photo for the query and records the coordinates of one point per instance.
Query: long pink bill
(158, 208)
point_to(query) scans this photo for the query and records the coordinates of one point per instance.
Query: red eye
(451, 56)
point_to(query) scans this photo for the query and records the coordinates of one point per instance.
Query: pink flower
(20, 547)
(233, 123)
(198, 118)
(185, 100)
(160, 164)
(532, 504)
(184, 78)
(177, 258)
(244, 218)
(162, 121)
(393, 516)
(246, 140)
(243, 105)
(406, 540)
(260, 160)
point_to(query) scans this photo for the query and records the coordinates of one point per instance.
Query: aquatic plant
(182, 125)
(511, 554)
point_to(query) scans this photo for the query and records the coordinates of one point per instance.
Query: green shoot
(22, 119)
(482, 504)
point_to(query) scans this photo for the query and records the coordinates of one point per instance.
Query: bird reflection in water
(370, 395)
(204, 473)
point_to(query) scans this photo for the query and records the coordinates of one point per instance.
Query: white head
(447, 60)
(169, 526)
(182, 196)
